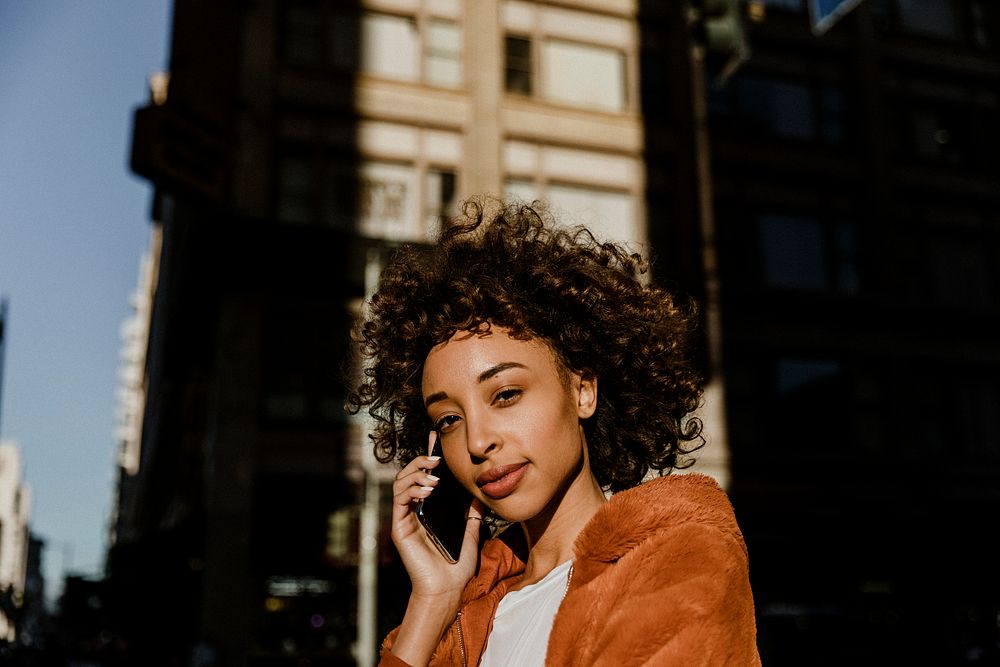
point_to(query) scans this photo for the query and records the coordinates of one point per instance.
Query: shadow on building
(856, 217)
(228, 547)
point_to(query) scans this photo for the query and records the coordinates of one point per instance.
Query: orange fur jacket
(659, 578)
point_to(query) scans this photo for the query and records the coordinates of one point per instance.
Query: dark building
(857, 201)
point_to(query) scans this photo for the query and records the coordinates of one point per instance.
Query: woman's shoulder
(657, 510)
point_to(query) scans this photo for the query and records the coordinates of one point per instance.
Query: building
(15, 511)
(856, 197)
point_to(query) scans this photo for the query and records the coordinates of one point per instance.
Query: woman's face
(509, 420)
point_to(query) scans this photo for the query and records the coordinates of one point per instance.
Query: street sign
(825, 13)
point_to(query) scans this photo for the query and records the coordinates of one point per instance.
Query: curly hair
(585, 299)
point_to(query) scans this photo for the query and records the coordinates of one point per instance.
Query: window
(377, 199)
(439, 199)
(973, 22)
(303, 341)
(521, 190)
(793, 374)
(443, 54)
(583, 75)
(296, 190)
(570, 73)
(928, 17)
(302, 35)
(786, 5)
(784, 108)
(518, 73)
(792, 252)
(390, 46)
(419, 48)
(959, 272)
(948, 132)
(809, 391)
(610, 215)
(771, 106)
(806, 253)
(387, 201)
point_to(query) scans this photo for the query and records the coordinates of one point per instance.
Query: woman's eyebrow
(499, 368)
(434, 398)
(483, 377)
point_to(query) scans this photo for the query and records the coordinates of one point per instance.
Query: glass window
(440, 193)
(845, 259)
(296, 191)
(929, 17)
(984, 17)
(948, 133)
(443, 54)
(787, 5)
(302, 42)
(518, 65)
(793, 374)
(583, 75)
(785, 108)
(521, 190)
(792, 252)
(387, 201)
(833, 116)
(609, 215)
(340, 195)
(960, 275)
(345, 45)
(807, 253)
(390, 46)
(302, 341)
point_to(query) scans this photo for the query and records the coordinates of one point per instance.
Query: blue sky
(73, 224)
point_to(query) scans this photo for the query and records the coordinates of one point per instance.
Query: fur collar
(634, 516)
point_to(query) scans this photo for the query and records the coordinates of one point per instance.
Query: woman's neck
(552, 534)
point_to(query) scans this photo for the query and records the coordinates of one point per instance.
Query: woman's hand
(430, 574)
(437, 584)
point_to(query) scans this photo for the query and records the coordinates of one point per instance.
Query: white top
(521, 626)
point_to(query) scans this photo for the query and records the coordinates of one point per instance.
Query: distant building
(15, 511)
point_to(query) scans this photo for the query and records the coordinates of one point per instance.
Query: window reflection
(772, 106)
(807, 253)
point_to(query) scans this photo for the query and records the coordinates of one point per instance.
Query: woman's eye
(507, 396)
(445, 422)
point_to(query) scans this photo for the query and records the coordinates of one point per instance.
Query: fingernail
(433, 458)
(433, 478)
(427, 488)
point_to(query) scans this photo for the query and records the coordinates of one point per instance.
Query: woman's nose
(483, 438)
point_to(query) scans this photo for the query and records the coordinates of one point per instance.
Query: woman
(551, 374)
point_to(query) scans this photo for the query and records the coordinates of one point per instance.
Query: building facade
(856, 207)
(15, 513)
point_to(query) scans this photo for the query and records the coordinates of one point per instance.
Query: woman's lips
(500, 482)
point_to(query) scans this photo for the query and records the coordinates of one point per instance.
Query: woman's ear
(586, 395)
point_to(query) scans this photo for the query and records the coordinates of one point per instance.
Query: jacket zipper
(461, 640)
(569, 580)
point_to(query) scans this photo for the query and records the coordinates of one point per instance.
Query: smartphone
(443, 513)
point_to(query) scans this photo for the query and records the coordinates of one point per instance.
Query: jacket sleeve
(444, 654)
(681, 599)
(390, 660)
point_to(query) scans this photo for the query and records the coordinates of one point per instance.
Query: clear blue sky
(73, 224)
